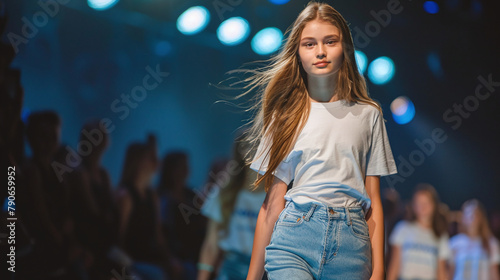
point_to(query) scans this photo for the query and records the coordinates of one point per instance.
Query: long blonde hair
(282, 103)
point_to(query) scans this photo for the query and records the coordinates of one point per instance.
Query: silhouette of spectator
(93, 206)
(44, 207)
(183, 226)
(140, 230)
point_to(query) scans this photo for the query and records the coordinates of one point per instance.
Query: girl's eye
(331, 42)
(308, 45)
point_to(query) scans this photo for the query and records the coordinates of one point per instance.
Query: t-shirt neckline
(326, 104)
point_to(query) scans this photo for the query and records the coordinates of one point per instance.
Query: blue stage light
(267, 41)
(193, 20)
(381, 70)
(233, 31)
(361, 60)
(279, 2)
(431, 7)
(402, 110)
(101, 5)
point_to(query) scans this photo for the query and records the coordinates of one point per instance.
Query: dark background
(82, 60)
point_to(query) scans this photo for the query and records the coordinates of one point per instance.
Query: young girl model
(419, 247)
(318, 127)
(475, 252)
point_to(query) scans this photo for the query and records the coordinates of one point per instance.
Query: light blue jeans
(312, 241)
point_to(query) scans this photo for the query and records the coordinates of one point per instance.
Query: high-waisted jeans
(312, 241)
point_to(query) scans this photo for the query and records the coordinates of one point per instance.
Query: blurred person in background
(139, 230)
(475, 251)
(43, 200)
(183, 226)
(232, 210)
(93, 205)
(419, 246)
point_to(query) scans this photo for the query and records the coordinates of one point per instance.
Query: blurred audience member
(139, 230)
(419, 247)
(44, 207)
(232, 210)
(183, 227)
(93, 206)
(475, 252)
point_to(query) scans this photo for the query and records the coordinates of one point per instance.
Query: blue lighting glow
(431, 7)
(193, 20)
(267, 41)
(361, 60)
(101, 5)
(402, 110)
(233, 31)
(279, 2)
(381, 70)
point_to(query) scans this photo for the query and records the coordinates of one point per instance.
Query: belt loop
(309, 214)
(348, 214)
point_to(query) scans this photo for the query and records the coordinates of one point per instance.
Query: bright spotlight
(402, 110)
(193, 20)
(101, 5)
(381, 70)
(233, 31)
(361, 60)
(431, 7)
(267, 41)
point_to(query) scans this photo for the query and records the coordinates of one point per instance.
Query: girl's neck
(426, 223)
(322, 89)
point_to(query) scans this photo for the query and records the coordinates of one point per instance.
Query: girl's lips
(321, 64)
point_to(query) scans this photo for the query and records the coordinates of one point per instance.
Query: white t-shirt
(340, 144)
(470, 259)
(420, 250)
(241, 227)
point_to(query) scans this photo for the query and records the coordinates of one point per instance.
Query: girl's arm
(269, 211)
(495, 274)
(376, 226)
(210, 251)
(442, 270)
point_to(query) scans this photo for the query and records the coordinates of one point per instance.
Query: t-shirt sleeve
(398, 234)
(380, 158)
(211, 207)
(444, 248)
(285, 170)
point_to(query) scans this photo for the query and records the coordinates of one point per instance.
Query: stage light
(267, 41)
(402, 110)
(381, 70)
(279, 2)
(101, 5)
(361, 60)
(193, 20)
(233, 31)
(431, 7)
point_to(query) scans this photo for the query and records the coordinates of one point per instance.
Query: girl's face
(423, 206)
(320, 48)
(469, 217)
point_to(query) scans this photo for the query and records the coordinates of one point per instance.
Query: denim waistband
(321, 211)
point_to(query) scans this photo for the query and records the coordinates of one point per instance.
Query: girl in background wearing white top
(475, 252)
(232, 211)
(419, 247)
(317, 125)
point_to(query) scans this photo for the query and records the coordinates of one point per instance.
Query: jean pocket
(359, 228)
(291, 219)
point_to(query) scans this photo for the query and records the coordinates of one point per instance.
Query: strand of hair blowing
(282, 101)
